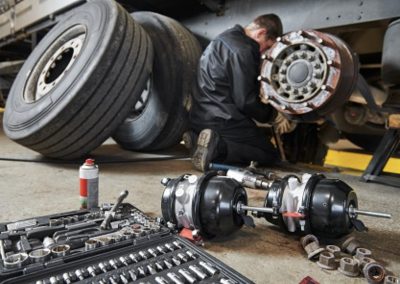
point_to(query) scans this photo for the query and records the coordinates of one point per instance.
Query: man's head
(264, 30)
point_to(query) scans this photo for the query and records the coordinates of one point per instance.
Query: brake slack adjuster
(308, 74)
(217, 205)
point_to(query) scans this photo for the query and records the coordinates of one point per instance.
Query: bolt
(275, 77)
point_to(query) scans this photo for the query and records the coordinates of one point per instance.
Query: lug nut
(362, 262)
(313, 250)
(350, 245)
(327, 261)
(362, 252)
(335, 250)
(389, 279)
(374, 272)
(349, 267)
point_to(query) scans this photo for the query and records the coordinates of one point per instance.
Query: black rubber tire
(94, 96)
(165, 116)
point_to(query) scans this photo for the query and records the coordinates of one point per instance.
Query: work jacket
(228, 87)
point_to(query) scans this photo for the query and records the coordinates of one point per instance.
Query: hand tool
(105, 225)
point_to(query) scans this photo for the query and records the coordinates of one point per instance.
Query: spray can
(89, 185)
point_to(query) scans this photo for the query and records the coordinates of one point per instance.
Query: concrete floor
(264, 254)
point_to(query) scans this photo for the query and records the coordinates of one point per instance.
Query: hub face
(308, 74)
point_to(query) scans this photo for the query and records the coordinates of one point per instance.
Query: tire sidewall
(21, 118)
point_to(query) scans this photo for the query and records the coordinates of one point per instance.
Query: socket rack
(71, 248)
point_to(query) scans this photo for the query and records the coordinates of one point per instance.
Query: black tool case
(71, 248)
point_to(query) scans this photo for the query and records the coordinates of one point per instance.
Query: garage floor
(264, 254)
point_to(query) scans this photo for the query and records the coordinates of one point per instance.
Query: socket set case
(71, 248)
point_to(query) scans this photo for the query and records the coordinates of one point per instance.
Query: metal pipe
(372, 214)
(242, 208)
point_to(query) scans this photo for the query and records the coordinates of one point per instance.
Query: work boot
(206, 149)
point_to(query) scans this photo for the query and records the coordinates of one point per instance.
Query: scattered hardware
(71, 247)
(311, 245)
(350, 245)
(327, 261)
(335, 250)
(362, 252)
(349, 267)
(374, 272)
(217, 205)
(389, 279)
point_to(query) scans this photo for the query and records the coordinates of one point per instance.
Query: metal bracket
(387, 147)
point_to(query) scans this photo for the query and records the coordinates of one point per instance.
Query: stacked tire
(101, 72)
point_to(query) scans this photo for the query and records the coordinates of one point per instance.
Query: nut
(362, 252)
(362, 262)
(327, 261)
(313, 250)
(389, 279)
(349, 267)
(350, 245)
(374, 272)
(307, 239)
(335, 250)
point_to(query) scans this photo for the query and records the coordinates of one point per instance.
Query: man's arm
(244, 67)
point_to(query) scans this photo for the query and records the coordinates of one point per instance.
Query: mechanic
(228, 99)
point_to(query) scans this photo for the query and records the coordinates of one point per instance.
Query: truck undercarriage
(356, 44)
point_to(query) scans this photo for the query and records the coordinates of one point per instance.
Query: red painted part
(188, 234)
(293, 215)
(83, 187)
(308, 280)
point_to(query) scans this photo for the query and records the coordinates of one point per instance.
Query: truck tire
(160, 118)
(80, 82)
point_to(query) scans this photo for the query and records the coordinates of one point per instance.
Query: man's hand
(283, 125)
